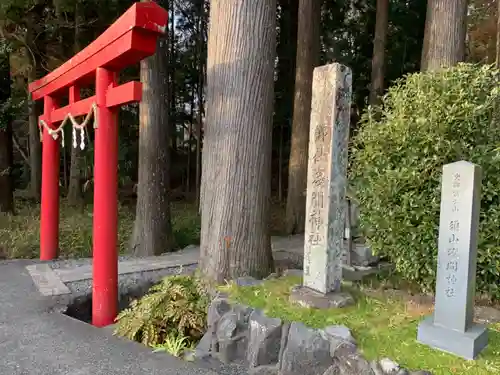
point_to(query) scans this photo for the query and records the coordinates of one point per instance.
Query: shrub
(174, 308)
(425, 121)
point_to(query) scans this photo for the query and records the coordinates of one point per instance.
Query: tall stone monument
(451, 328)
(326, 188)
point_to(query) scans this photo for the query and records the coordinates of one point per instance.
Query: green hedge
(427, 120)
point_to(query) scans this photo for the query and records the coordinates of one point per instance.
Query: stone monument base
(466, 345)
(308, 297)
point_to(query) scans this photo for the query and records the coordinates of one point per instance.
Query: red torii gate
(127, 41)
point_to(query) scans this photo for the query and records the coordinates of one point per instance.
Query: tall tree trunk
(201, 82)
(152, 234)
(280, 162)
(171, 69)
(445, 32)
(497, 60)
(308, 42)
(35, 147)
(6, 158)
(190, 138)
(236, 189)
(59, 25)
(378, 60)
(75, 194)
(425, 42)
(285, 82)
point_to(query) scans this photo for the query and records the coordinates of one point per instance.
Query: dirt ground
(423, 305)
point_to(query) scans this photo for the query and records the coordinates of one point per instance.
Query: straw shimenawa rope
(54, 133)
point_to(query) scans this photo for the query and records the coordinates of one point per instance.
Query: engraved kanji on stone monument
(451, 328)
(327, 177)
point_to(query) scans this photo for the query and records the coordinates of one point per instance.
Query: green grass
(20, 234)
(382, 327)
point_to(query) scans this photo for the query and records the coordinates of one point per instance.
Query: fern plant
(175, 344)
(176, 306)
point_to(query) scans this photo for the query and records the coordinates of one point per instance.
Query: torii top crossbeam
(127, 41)
(130, 39)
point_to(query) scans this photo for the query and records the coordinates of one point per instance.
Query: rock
(265, 339)
(377, 370)
(341, 332)
(243, 312)
(216, 310)
(332, 370)
(361, 255)
(232, 334)
(285, 329)
(340, 348)
(226, 327)
(388, 366)
(341, 341)
(230, 346)
(247, 281)
(239, 335)
(264, 370)
(204, 347)
(307, 352)
(353, 364)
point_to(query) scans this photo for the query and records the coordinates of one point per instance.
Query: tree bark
(378, 60)
(308, 43)
(497, 59)
(75, 194)
(445, 32)
(236, 186)
(171, 69)
(201, 81)
(190, 138)
(152, 234)
(285, 82)
(35, 147)
(6, 156)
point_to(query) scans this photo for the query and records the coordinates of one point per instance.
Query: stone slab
(295, 245)
(466, 344)
(46, 281)
(131, 266)
(292, 244)
(311, 298)
(51, 282)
